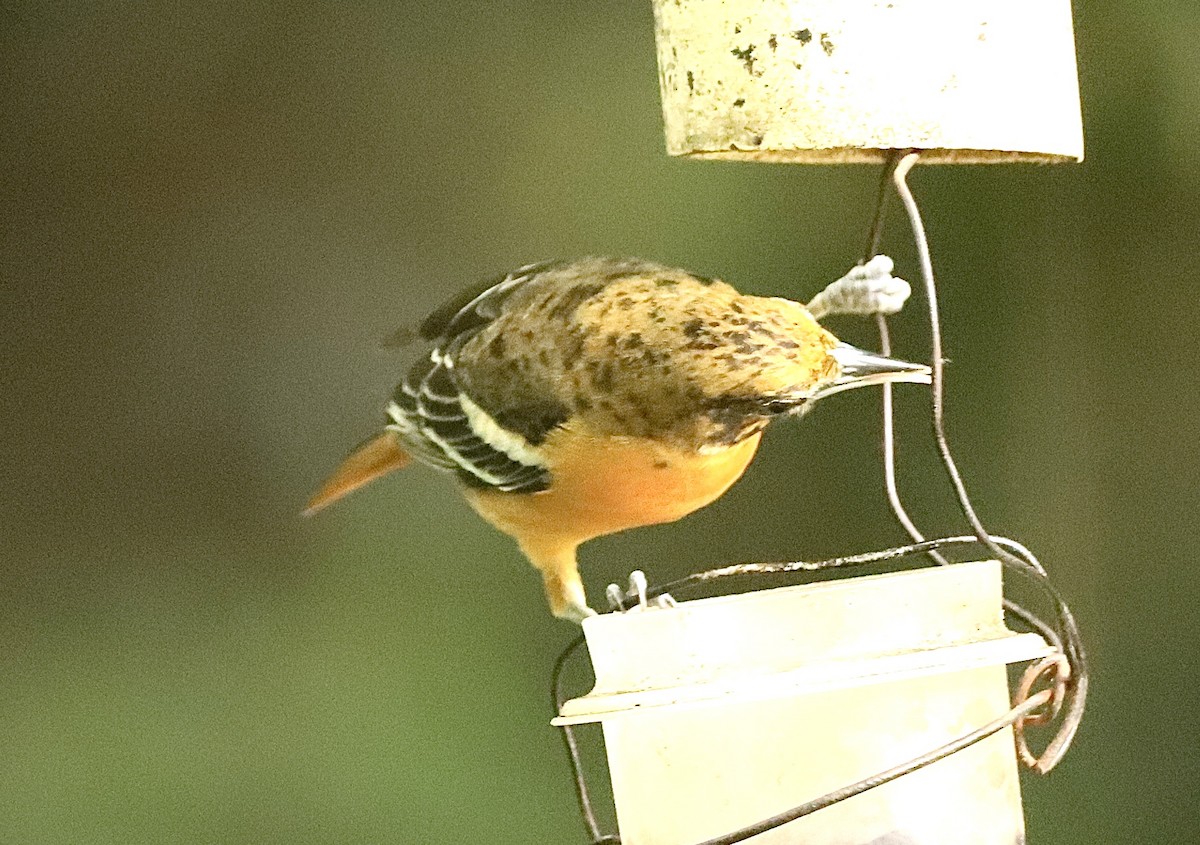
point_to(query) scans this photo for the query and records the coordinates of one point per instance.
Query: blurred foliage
(211, 212)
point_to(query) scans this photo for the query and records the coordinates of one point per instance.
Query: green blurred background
(210, 216)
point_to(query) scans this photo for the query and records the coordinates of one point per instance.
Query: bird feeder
(722, 711)
(826, 81)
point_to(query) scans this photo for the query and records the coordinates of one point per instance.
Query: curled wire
(1069, 640)
(1055, 671)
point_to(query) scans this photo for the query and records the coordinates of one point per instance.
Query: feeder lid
(798, 640)
(832, 81)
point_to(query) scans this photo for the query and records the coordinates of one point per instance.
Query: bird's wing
(590, 341)
(436, 418)
(478, 305)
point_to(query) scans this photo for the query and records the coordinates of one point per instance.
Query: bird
(580, 398)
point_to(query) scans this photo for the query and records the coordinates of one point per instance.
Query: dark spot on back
(693, 327)
(733, 362)
(665, 283)
(803, 35)
(611, 410)
(573, 297)
(604, 376)
(496, 346)
(574, 346)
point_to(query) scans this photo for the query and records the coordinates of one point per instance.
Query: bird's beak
(860, 368)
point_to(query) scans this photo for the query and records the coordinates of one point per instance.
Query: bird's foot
(576, 612)
(867, 289)
(636, 596)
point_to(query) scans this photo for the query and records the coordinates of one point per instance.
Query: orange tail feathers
(377, 456)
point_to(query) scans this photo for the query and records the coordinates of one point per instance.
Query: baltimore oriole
(574, 399)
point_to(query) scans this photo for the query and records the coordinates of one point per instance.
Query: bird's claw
(576, 613)
(636, 597)
(867, 289)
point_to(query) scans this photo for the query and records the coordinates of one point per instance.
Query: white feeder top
(830, 81)
(799, 639)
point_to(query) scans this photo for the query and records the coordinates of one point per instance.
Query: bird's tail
(375, 457)
(859, 368)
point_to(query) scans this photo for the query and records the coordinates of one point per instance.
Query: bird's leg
(565, 593)
(560, 572)
(867, 289)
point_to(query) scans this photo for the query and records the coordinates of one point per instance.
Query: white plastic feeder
(721, 712)
(823, 81)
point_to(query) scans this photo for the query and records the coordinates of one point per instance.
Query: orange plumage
(577, 399)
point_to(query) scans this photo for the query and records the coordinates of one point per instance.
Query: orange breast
(604, 484)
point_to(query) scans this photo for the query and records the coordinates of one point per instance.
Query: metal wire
(572, 745)
(782, 567)
(874, 240)
(1023, 563)
(1018, 711)
(891, 487)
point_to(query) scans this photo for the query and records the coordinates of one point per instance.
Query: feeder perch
(720, 712)
(827, 81)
